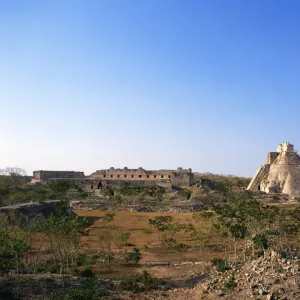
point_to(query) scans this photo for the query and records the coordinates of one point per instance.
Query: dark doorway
(258, 187)
(99, 186)
(92, 187)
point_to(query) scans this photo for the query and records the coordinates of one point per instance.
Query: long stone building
(281, 173)
(118, 177)
(45, 176)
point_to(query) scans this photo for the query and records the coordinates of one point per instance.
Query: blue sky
(85, 85)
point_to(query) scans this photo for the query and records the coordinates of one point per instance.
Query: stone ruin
(118, 177)
(281, 173)
(44, 176)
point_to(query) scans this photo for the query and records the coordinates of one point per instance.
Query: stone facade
(118, 177)
(281, 173)
(44, 176)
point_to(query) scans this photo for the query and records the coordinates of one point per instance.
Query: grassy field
(143, 237)
(154, 259)
(134, 222)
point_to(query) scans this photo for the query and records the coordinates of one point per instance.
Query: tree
(108, 235)
(63, 234)
(161, 224)
(12, 245)
(261, 241)
(12, 178)
(238, 231)
(122, 239)
(236, 215)
(19, 246)
(13, 171)
(201, 228)
(6, 255)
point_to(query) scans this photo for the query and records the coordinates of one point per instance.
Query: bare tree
(13, 171)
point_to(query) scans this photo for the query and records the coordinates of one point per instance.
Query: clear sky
(85, 85)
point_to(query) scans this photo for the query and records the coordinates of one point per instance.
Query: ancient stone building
(118, 177)
(45, 176)
(140, 176)
(281, 173)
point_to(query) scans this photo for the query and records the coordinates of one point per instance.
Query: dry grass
(155, 260)
(137, 224)
(134, 222)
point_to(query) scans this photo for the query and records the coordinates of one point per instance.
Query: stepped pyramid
(281, 173)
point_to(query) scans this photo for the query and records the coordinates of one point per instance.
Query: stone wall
(182, 178)
(43, 176)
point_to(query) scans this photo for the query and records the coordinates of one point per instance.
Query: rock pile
(274, 276)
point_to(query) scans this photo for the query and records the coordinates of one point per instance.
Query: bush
(140, 283)
(84, 259)
(53, 269)
(107, 191)
(230, 285)
(185, 193)
(134, 256)
(6, 257)
(81, 259)
(75, 272)
(142, 191)
(88, 273)
(88, 291)
(220, 264)
(261, 241)
(6, 292)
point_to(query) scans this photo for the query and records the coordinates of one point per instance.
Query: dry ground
(161, 262)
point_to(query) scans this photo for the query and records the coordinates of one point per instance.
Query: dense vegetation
(15, 189)
(225, 182)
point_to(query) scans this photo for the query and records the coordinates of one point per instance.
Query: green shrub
(6, 257)
(81, 259)
(53, 269)
(134, 256)
(220, 264)
(261, 241)
(142, 191)
(185, 193)
(140, 283)
(230, 284)
(88, 291)
(84, 259)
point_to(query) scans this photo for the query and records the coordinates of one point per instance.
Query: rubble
(273, 276)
